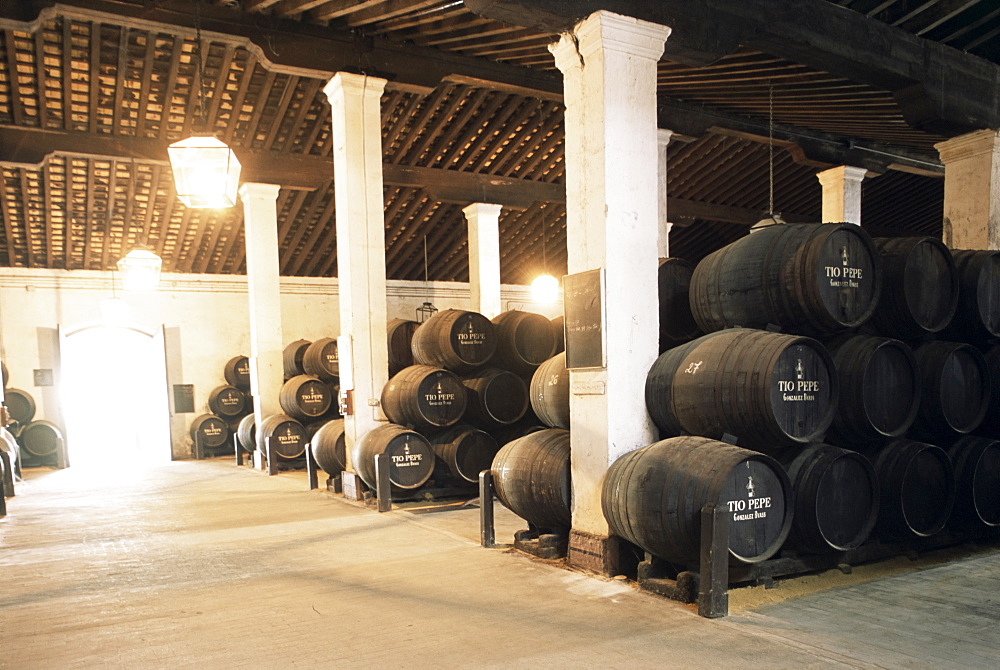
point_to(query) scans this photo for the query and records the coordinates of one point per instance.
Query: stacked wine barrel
(461, 395)
(854, 374)
(38, 441)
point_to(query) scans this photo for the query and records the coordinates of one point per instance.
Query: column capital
(481, 208)
(976, 143)
(256, 191)
(566, 53)
(623, 34)
(841, 173)
(361, 84)
(663, 136)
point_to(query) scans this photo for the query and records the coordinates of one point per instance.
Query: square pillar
(971, 190)
(260, 223)
(355, 104)
(484, 258)
(609, 73)
(842, 194)
(663, 239)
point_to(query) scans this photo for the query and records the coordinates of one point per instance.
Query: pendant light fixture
(140, 269)
(545, 287)
(206, 171)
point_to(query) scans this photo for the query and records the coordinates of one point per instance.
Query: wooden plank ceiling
(90, 99)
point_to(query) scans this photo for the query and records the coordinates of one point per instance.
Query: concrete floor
(206, 565)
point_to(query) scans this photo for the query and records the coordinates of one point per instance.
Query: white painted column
(260, 223)
(842, 194)
(484, 258)
(355, 103)
(663, 239)
(609, 73)
(971, 190)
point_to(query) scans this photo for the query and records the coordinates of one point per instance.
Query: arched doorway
(114, 389)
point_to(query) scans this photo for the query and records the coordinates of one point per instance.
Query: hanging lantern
(140, 269)
(545, 289)
(206, 172)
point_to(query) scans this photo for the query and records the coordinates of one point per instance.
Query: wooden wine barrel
(836, 499)
(329, 446)
(810, 279)
(399, 333)
(425, 397)
(524, 341)
(237, 372)
(917, 484)
(455, 340)
(977, 316)
(494, 398)
(879, 388)
(549, 392)
(246, 433)
(531, 477)
(990, 427)
(322, 359)
(305, 397)
(955, 389)
(227, 402)
(526, 426)
(411, 457)
(673, 283)
(653, 497)
(977, 477)
(462, 453)
(20, 405)
(213, 430)
(769, 390)
(40, 438)
(291, 358)
(287, 436)
(559, 330)
(920, 287)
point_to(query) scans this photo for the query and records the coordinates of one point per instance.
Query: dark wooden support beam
(939, 89)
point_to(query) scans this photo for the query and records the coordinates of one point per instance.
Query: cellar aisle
(203, 564)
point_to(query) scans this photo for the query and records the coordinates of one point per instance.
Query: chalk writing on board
(584, 318)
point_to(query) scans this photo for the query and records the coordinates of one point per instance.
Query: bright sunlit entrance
(115, 398)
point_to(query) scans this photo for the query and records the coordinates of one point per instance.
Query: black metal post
(238, 449)
(713, 590)
(311, 467)
(383, 489)
(487, 530)
(272, 458)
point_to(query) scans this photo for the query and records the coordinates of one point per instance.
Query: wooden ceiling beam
(938, 88)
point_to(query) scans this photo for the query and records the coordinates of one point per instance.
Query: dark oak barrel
(321, 358)
(213, 430)
(329, 445)
(769, 390)
(559, 330)
(531, 476)
(919, 287)
(879, 387)
(653, 498)
(399, 333)
(977, 478)
(955, 389)
(673, 282)
(287, 436)
(237, 372)
(411, 459)
(305, 397)
(291, 358)
(549, 391)
(246, 433)
(227, 401)
(526, 426)
(810, 279)
(462, 453)
(990, 426)
(425, 397)
(455, 340)
(20, 405)
(836, 499)
(917, 484)
(977, 316)
(40, 438)
(494, 398)
(524, 341)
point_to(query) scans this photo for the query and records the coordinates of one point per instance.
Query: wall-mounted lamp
(140, 269)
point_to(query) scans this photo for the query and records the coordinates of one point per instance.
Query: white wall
(210, 313)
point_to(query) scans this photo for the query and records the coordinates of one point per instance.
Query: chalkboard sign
(183, 398)
(584, 311)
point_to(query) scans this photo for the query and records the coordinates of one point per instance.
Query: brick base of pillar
(596, 553)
